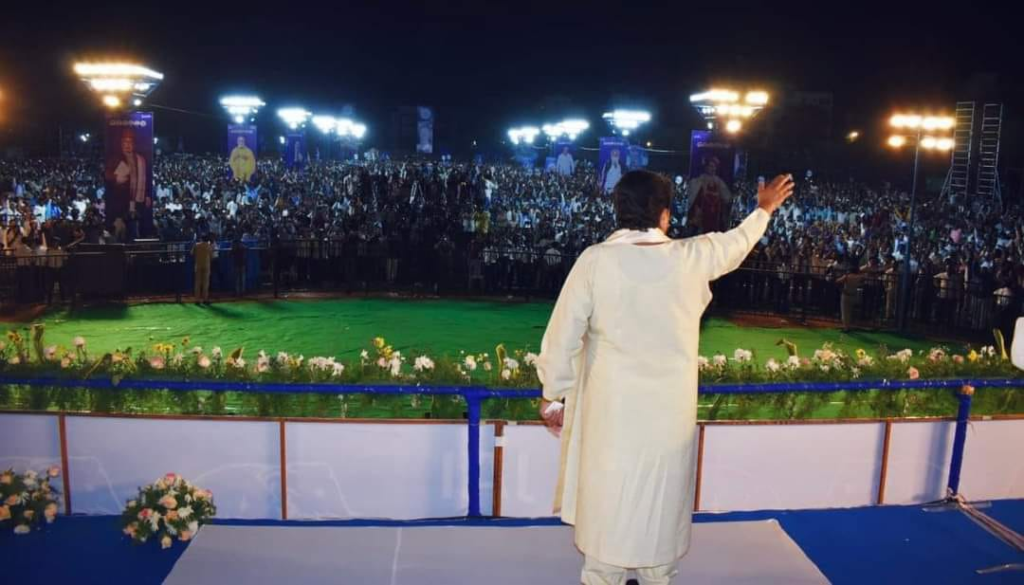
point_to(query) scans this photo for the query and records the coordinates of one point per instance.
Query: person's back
(622, 347)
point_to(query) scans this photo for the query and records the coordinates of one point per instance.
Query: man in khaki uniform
(203, 255)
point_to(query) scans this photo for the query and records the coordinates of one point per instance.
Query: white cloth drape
(621, 348)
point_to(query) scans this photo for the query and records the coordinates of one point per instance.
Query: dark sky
(485, 65)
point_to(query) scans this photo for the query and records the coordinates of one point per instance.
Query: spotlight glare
(944, 144)
(733, 126)
(111, 101)
(897, 141)
(928, 142)
(136, 102)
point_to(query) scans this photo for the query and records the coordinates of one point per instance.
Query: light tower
(119, 85)
(724, 108)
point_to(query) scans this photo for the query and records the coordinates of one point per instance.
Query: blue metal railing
(475, 395)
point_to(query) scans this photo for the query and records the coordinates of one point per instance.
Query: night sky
(484, 66)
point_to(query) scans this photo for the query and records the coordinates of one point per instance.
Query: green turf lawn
(342, 327)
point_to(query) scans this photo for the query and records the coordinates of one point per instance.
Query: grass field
(342, 327)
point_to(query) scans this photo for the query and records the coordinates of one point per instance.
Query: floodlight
(733, 126)
(117, 82)
(897, 141)
(240, 107)
(293, 117)
(928, 142)
(325, 124)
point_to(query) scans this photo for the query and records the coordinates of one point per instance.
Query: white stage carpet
(721, 552)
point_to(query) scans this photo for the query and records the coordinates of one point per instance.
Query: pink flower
(169, 502)
(203, 362)
(79, 341)
(50, 352)
(5, 513)
(53, 471)
(958, 359)
(130, 530)
(913, 373)
(157, 362)
(185, 536)
(145, 513)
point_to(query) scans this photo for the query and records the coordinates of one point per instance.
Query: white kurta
(621, 347)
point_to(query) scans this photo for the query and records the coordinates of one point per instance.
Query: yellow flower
(184, 341)
(861, 353)
(973, 356)
(378, 342)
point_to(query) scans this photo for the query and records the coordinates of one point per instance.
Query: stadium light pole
(729, 106)
(240, 107)
(925, 132)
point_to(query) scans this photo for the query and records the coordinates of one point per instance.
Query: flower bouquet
(169, 508)
(27, 499)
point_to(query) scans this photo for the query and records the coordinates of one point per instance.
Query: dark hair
(640, 197)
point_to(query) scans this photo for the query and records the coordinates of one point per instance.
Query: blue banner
(424, 130)
(712, 165)
(564, 153)
(295, 151)
(242, 147)
(611, 162)
(128, 174)
(637, 158)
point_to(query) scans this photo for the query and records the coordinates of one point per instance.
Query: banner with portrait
(295, 156)
(709, 193)
(564, 153)
(242, 148)
(128, 174)
(611, 162)
(525, 155)
(424, 130)
(637, 157)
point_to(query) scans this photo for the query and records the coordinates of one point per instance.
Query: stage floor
(758, 552)
(877, 545)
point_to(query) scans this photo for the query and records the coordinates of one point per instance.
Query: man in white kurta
(621, 348)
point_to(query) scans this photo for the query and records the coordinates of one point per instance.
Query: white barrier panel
(529, 471)
(110, 458)
(993, 463)
(919, 455)
(749, 467)
(30, 442)
(398, 471)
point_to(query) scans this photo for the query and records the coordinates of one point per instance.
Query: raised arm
(723, 252)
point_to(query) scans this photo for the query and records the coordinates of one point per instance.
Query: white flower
(14, 360)
(79, 341)
(506, 374)
(21, 529)
(824, 355)
(177, 359)
(511, 364)
(487, 366)
(193, 526)
(719, 359)
(197, 350)
(530, 358)
(793, 362)
(184, 512)
(282, 358)
(772, 366)
(423, 363)
(988, 351)
(216, 353)
(866, 361)
(470, 362)
(903, 356)
(702, 362)
(240, 363)
(824, 367)
(132, 503)
(50, 352)
(166, 541)
(338, 369)
(395, 365)
(855, 372)
(364, 355)
(742, 355)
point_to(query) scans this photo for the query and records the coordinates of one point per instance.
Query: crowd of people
(405, 222)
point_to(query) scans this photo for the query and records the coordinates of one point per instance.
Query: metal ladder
(987, 184)
(958, 177)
